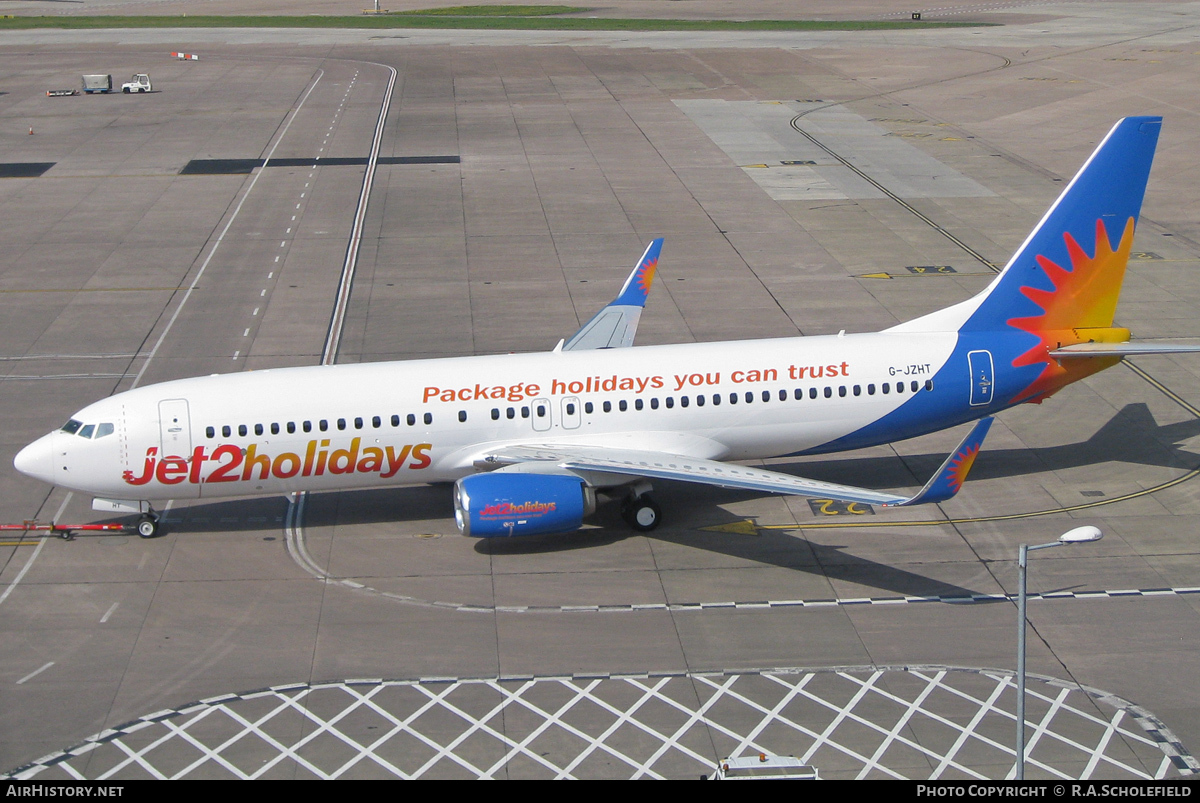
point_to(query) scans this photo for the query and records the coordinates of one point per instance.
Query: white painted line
(255, 311)
(272, 273)
(235, 355)
(221, 237)
(282, 243)
(35, 673)
(246, 333)
(264, 291)
(109, 612)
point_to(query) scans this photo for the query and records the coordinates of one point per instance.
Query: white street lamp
(1080, 535)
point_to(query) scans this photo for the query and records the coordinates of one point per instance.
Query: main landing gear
(147, 525)
(640, 512)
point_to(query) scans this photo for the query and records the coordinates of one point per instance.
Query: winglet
(953, 473)
(615, 325)
(637, 286)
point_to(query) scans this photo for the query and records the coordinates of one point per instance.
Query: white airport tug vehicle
(138, 83)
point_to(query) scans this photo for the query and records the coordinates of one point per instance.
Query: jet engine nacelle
(507, 503)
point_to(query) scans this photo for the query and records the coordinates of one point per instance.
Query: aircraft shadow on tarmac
(1130, 436)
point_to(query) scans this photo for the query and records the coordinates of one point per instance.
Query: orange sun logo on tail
(1084, 297)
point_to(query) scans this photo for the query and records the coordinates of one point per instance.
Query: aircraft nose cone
(37, 459)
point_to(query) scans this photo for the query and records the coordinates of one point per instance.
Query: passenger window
(87, 431)
(654, 404)
(226, 431)
(395, 420)
(886, 388)
(258, 429)
(571, 409)
(242, 430)
(870, 390)
(766, 395)
(524, 412)
(307, 426)
(274, 429)
(608, 407)
(210, 432)
(412, 420)
(637, 404)
(733, 397)
(462, 416)
(291, 427)
(858, 390)
(541, 411)
(783, 395)
(812, 393)
(929, 384)
(749, 397)
(683, 401)
(428, 419)
(841, 390)
(375, 422)
(495, 413)
(828, 392)
(716, 399)
(670, 402)
(358, 423)
(899, 387)
(341, 423)
(622, 405)
(915, 386)
(700, 400)
(799, 394)
(323, 425)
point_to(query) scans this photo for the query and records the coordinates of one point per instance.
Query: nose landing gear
(147, 525)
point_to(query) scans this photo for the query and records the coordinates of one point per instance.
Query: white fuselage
(397, 423)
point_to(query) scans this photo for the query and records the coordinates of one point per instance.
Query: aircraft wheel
(642, 514)
(147, 526)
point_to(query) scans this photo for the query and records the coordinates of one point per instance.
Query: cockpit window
(103, 429)
(87, 430)
(72, 426)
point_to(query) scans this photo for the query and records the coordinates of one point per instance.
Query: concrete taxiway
(804, 185)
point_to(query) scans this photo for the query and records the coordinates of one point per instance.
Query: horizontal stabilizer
(1123, 349)
(615, 326)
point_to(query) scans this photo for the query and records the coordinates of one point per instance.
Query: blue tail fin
(1068, 272)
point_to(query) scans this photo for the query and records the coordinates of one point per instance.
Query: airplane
(531, 440)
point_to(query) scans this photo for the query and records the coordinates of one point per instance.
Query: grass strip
(409, 20)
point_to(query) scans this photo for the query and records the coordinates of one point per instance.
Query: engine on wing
(510, 503)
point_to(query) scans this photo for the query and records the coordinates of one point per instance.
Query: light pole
(1080, 535)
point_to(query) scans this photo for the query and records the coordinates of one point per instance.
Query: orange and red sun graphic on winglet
(961, 465)
(1084, 297)
(645, 276)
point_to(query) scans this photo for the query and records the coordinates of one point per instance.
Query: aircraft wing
(614, 326)
(657, 465)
